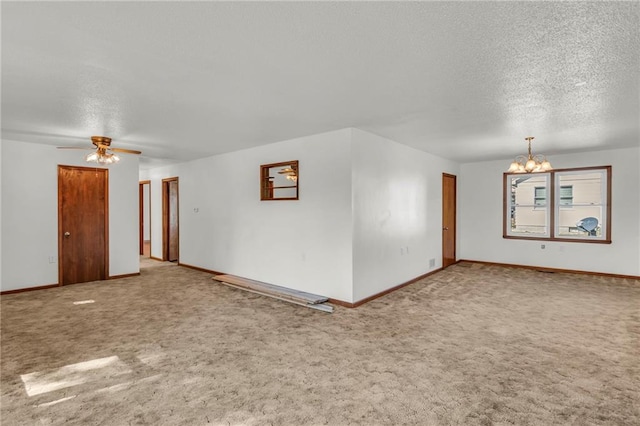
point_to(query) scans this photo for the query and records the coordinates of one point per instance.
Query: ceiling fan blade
(73, 147)
(102, 145)
(127, 151)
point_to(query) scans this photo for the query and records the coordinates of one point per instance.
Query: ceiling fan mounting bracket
(100, 140)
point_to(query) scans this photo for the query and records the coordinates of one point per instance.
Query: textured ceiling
(462, 80)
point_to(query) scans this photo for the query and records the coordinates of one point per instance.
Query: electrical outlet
(432, 263)
(52, 259)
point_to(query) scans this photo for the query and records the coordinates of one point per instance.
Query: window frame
(267, 189)
(554, 205)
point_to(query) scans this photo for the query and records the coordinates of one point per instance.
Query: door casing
(104, 229)
(142, 183)
(449, 189)
(166, 220)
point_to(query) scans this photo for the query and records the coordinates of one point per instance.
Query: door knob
(445, 229)
(66, 234)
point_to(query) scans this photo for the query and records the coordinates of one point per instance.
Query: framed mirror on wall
(279, 181)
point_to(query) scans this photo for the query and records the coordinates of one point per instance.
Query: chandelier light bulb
(530, 166)
(93, 157)
(103, 158)
(545, 166)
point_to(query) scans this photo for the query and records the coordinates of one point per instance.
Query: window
(566, 205)
(279, 181)
(540, 196)
(566, 195)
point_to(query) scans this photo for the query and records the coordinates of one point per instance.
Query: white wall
(480, 218)
(30, 213)
(303, 244)
(397, 212)
(363, 198)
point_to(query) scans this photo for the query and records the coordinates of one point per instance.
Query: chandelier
(530, 163)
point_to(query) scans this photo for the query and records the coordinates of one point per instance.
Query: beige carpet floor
(471, 345)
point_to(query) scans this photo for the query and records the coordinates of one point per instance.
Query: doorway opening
(83, 224)
(448, 220)
(145, 218)
(170, 228)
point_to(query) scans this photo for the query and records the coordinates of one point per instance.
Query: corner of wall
(1, 204)
(397, 208)
(351, 210)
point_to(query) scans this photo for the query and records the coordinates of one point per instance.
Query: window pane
(525, 189)
(586, 188)
(528, 209)
(582, 204)
(580, 221)
(529, 220)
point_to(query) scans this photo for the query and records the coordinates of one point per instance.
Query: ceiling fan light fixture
(289, 173)
(110, 159)
(103, 158)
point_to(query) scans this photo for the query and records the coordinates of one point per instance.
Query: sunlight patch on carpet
(57, 401)
(41, 382)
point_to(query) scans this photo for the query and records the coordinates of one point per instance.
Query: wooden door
(170, 212)
(83, 195)
(448, 220)
(145, 215)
